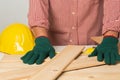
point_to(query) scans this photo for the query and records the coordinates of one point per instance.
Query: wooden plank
(56, 66)
(97, 39)
(11, 66)
(83, 62)
(21, 73)
(11, 58)
(13, 62)
(105, 72)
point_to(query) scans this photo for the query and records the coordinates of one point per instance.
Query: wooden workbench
(104, 72)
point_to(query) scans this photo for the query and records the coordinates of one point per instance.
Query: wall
(12, 11)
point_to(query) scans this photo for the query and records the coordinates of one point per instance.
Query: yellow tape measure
(89, 50)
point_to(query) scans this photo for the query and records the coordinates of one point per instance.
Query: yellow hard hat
(16, 39)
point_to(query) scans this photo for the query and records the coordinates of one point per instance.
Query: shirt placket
(74, 13)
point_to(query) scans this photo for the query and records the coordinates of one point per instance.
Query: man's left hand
(107, 51)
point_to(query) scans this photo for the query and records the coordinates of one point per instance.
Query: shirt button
(73, 13)
(116, 20)
(73, 27)
(70, 40)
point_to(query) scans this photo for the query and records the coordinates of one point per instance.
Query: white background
(12, 11)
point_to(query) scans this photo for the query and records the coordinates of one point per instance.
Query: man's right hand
(41, 51)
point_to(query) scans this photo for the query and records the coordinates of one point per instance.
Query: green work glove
(41, 50)
(107, 51)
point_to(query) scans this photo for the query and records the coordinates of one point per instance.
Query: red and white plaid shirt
(75, 21)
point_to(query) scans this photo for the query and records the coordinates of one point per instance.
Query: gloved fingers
(25, 55)
(94, 53)
(112, 57)
(100, 56)
(117, 56)
(27, 58)
(41, 58)
(52, 53)
(33, 59)
(107, 58)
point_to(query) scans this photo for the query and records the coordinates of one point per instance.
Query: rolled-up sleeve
(111, 20)
(38, 13)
